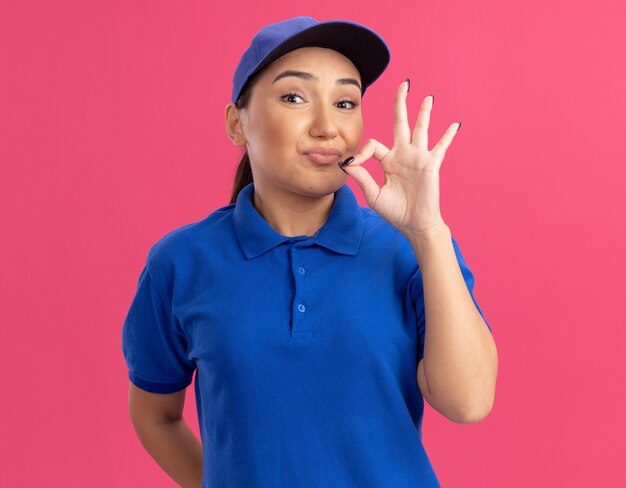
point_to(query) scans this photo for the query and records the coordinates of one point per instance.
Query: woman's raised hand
(409, 198)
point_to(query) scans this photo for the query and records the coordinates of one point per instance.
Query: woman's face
(309, 98)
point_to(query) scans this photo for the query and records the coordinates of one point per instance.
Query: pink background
(112, 134)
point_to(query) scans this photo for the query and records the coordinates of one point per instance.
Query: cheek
(272, 132)
(287, 129)
(273, 139)
(353, 130)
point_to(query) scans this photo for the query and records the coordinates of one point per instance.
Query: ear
(233, 125)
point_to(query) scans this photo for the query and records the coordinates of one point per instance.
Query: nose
(323, 124)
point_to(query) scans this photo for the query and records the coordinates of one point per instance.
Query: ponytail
(243, 176)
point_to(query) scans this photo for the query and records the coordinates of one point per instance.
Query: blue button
(301, 270)
(301, 307)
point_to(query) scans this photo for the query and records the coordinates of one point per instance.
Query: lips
(323, 159)
(323, 155)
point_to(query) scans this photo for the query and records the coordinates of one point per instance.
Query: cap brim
(366, 49)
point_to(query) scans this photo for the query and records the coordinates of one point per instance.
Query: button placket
(300, 322)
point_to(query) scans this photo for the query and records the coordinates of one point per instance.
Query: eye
(352, 102)
(291, 95)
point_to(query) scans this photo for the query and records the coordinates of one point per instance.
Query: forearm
(175, 448)
(460, 357)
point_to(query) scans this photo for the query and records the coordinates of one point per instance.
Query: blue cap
(361, 45)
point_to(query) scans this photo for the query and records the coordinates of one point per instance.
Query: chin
(319, 186)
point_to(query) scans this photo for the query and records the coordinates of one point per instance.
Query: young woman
(315, 326)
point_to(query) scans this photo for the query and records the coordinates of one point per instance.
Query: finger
(371, 148)
(370, 188)
(365, 181)
(401, 129)
(420, 133)
(444, 143)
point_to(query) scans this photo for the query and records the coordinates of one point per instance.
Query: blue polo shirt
(305, 348)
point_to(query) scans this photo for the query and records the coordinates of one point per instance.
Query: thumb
(365, 181)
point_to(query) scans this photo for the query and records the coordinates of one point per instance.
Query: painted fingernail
(433, 95)
(339, 164)
(408, 84)
(347, 161)
(459, 127)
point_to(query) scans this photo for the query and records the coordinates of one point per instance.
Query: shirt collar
(341, 233)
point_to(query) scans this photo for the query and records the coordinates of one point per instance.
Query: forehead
(313, 59)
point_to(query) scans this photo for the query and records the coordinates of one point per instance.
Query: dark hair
(243, 174)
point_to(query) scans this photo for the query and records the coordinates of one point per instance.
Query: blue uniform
(305, 348)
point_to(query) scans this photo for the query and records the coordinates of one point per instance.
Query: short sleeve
(154, 347)
(416, 290)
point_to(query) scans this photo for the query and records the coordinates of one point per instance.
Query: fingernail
(339, 164)
(347, 161)
(408, 84)
(459, 127)
(433, 95)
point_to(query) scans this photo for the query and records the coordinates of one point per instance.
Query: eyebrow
(308, 76)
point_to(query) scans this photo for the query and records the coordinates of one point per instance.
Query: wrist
(428, 235)
(423, 241)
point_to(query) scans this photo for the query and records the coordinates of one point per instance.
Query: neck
(292, 214)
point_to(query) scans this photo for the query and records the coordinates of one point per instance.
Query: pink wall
(112, 134)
